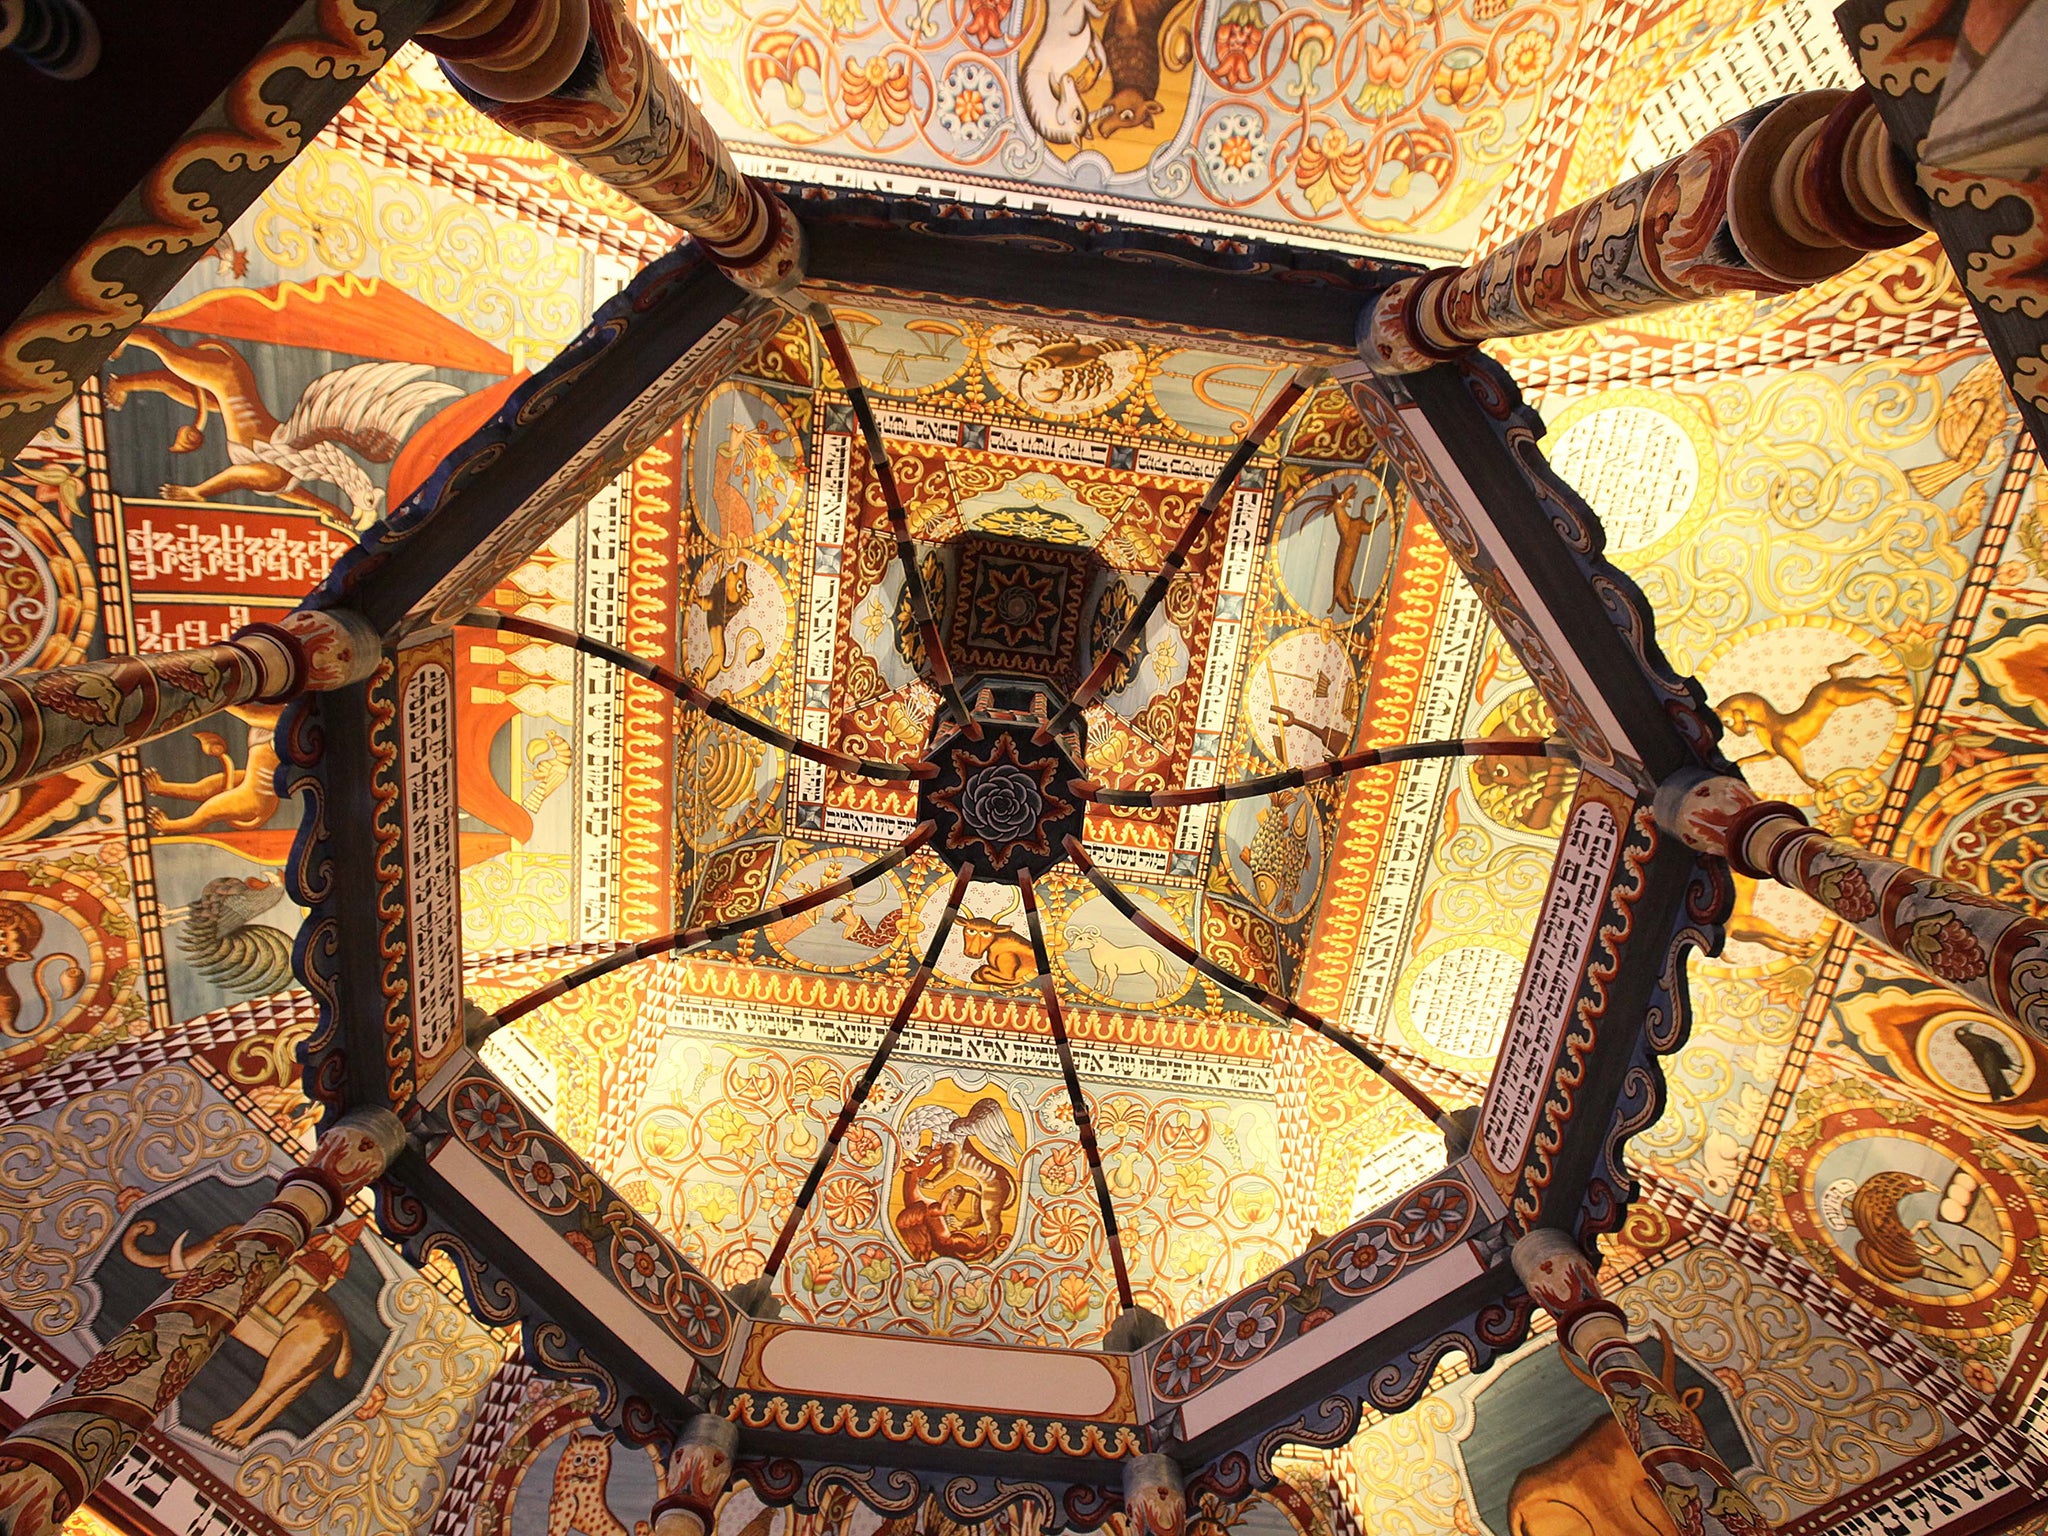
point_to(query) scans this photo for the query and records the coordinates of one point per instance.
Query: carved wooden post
(1697, 1487)
(63, 1449)
(623, 117)
(1991, 953)
(698, 1469)
(50, 720)
(1785, 195)
(1155, 1497)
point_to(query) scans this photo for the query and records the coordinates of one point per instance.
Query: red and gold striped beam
(683, 940)
(919, 979)
(695, 697)
(936, 662)
(1252, 992)
(1292, 778)
(1119, 652)
(1084, 1123)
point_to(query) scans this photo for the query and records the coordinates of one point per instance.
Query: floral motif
(486, 1118)
(701, 1315)
(1433, 1214)
(1234, 149)
(1190, 1184)
(1000, 803)
(1329, 166)
(712, 1204)
(729, 1126)
(1425, 151)
(818, 1268)
(782, 56)
(875, 1264)
(545, 1182)
(970, 99)
(985, 20)
(860, 1146)
(1074, 1299)
(1460, 79)
(1239, 32)
(1185, 1362)
(1246, 1331)
(642, 1264)
(1033, 523)
(848, 1201)
(1060, 1172)
(1063, 1229)
(1120, 1115)
(1365, 1263)
(877, 93)
(1020, 1289)
(1525, 58)
(1390, 58)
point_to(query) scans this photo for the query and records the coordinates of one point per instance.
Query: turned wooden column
(1697, 1487)
(1155, 1496)
(1785, 195)
(50, 720)
(698, 1470)
(63, 1449)
(1993, 954)
(579, 77)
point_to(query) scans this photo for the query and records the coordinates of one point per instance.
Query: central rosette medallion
(1002, 802)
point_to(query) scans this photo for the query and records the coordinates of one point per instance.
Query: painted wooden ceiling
(1815, 491)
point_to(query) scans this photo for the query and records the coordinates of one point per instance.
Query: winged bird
(1994, 1060)
(227, 946)
(957, 1191)
(984, 1123)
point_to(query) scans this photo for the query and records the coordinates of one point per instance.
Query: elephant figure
(294, 1324)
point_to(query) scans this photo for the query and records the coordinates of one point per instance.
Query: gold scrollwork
(66, 1180)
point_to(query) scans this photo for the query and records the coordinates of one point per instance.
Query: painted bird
(1972, 418)
(1995, 1062)
(225, 943)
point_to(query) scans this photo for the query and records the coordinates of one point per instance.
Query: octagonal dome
(885, 1131)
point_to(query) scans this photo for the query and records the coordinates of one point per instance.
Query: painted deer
(1787, 734)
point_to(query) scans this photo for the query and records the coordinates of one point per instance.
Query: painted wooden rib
(1119, 652)
(854, 1100)
(695, 697)
(796, 906)
(936, 662)
(685, 939)
(1252, 992)
(1372, 757)
(1084, 1124)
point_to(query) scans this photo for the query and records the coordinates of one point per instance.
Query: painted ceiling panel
(1384, 125)
(1818, 492)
